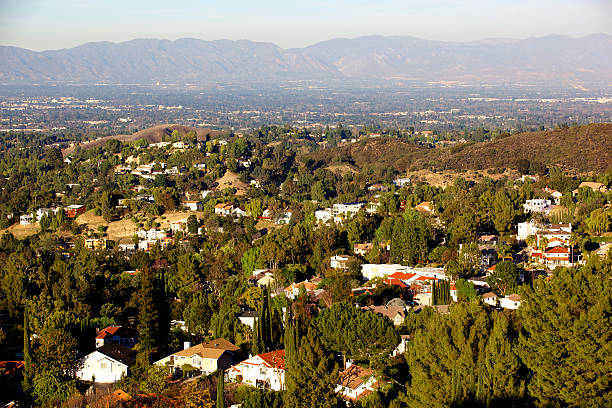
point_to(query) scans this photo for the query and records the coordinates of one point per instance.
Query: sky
(55, 24)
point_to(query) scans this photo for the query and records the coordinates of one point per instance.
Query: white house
(26, 219)
(512, 302)
(117, 335)
(265, 370)
(490, 298)
(538, 205)
(339, 262)
(248, 318)
(107, 364)
(192, 205)
(356, 382)
(401, 181)
(224, 209)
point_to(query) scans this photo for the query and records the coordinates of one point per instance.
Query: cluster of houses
(114, 356)
(70, 211)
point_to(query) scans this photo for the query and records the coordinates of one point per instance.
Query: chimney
(186, 345)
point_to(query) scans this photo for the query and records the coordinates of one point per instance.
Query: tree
(192, 224)
(465, 290)
(28, 370)
(567, 334)
(504, 278)
(148, 318)
(315, 378)
(220, 390)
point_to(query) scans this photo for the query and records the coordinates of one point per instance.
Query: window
(103, 365)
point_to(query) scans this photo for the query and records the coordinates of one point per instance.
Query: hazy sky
(54, 24)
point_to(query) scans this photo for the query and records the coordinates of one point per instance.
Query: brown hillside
(151, 135)
(578, 149)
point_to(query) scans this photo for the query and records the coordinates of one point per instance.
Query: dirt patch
(232, 180)
(447, 177)
(22, 231)
(342, 169)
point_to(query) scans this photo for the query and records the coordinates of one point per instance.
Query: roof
(402, 275)
(354, 376)
(389, 311)
(213, 349)
(248, 313)
(119, 331)
(119, 352)
(395, 282)
(275, 359)
(591, 184)
(307, 285)
(558, 250)
(489, 295)
(514, 297)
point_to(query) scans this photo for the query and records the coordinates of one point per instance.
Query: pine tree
(315, 377)
(220, 390)
(148, 318)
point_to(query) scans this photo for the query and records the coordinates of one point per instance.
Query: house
(205, 357)
(107, 364)
(397, 314)
(292, 291)
(74, 210)
(224, 209)
(490, 298)
(356, 382)
(371, 271)
(239, 212)
(593, 186)
(362, 249)
(401, 181)
(425, 207)
(541, 205)
(26, 219)
(96, 244)
(192, 205)
(378, 187)
(323, 216)
(248, 318)
(556, 195)
(512, 302)
(49, 212)
(339, 262)
(488, 240)
(401, 347)
(266, 370)
(284, 218)
(179, 225)
(125, 336)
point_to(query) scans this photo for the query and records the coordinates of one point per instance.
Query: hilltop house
(192, 205)
(512, 302)
(224, 209)
(541, 205)
(125, 336)
(265, 370)
(205, 357)
(396, 314)
(74, 210)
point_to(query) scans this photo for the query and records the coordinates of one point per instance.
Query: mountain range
(552, 59)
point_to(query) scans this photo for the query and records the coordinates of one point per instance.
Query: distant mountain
(191, 61)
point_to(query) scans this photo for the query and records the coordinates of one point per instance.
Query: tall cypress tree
(27, 357)
(148, 318)
(220, 390)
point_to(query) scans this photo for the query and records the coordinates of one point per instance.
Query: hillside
(151, 135)
(188, 61)
(579, 149)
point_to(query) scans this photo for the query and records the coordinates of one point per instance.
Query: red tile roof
(274, 359)
(558, 250)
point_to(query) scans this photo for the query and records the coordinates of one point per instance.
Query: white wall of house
(102, 367)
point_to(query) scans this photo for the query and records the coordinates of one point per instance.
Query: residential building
(26, 219)
(362, 249)
(74, 210)
(179, 225)
(490, 298)
(107, 364)
(224, 209)
(593, 186)
(541, 205)
(206, 358)
(248, 318)
(397, 314)
(125, 336)
(512, 302)
(356, 382)
(192, 205)
(425, 207)
(339, 262)
(96, 244)
(293, 290)
(265, 370)
(401, 181)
